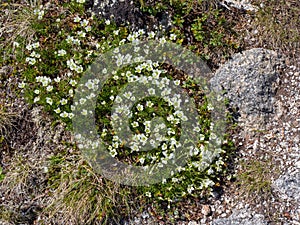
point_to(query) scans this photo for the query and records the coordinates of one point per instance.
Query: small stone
(205, 210)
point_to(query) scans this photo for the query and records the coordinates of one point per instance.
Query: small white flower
(210, 107)
(49, 101)
(71, 92)
(64, 114)
(81, 1)
(81, 34)
(82, 101)
(135, 124)
(116, 32)
(148, 194)
(151, 35)
(151, 91)
(73, 82)
(70, 115)
(88, 28)
(77, 19)
(49, 88)
(61, 52)
(57, 110)
(107, 22)
(113, 152)
(36, 91)
(149, 104)
(196, 129)
(16, 44)
(57, 79)
(36, 99)
(140, 107)
(36, 45)
(173, 37)
(63, 101)
(84, 23)
(162, 40)
(177, 82)
(84, 112)
(21, 85)
(29, 47)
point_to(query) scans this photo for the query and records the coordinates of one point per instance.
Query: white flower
(107, 22)
(57, 79)
(76, 41)
(29, 47)
(71, 92)
(70, 115)
(36, 45)
(84, 112)
(49, 88)
(63, 101)
(16, 44)
(88, 28)
(73, 82)
(175, 180)
(148, 194)
(140, 107)
(196, 129)
(36, 91)
(21, 85)
(127, 95)
(49, 101)
(57, 110)
(156, 73)
(116, 32)
(36, 99)
(64, 114)
(201, 137)
(173, 37)
(142, 160)
(69, 39)
(149, 104)
(210, 107)
(113, 152)
(81, 34)
(77, 19)
(190, 189)
(151, 91)
(135, 124)
(151, 35)
(79, 69)
(82, 101)
(176, 82)
(118, 99)
(61, 52)
(80, 1)
(162, 40)
(30, 61)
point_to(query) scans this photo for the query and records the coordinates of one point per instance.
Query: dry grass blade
(6, 121)
(16, 20)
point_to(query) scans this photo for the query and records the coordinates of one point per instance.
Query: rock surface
(289, 184)
(241, 217)
(248, 82)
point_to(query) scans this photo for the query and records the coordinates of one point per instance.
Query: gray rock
(241, 217)
(288, 184)
(249, 82)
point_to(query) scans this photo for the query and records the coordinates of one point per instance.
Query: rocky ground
(263, 86)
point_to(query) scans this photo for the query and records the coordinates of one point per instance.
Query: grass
(83, 196)
(254, 178)
(6, 122)
(277, 24)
